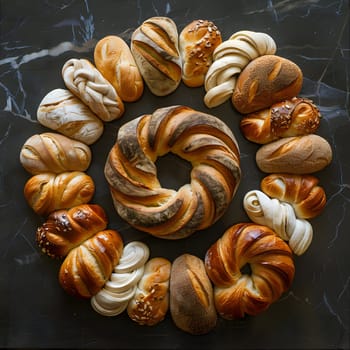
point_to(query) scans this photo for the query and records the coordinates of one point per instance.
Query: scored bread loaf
(295, 155)
(48, 192)
(192, 305)
(155, 47)
(197, 41)
(264, 81)
(53, 152)
(115, 61)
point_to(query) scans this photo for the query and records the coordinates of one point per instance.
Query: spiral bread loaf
(48, 192)
(155, 47)
(199, 138)
(271, 263)
(87, 83)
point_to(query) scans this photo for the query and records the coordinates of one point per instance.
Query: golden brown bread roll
(87, 267)
(155, 47)
(270, 259)
(192, 305)
(67, 228)
(301, 191)
(53, 152)
(295, 117)
(264, 81)
(150, 302)
(48, 192)
(115, 61)
(197, 41)
(88, 84)
(295, 155)
(62, 112)
(197, 137)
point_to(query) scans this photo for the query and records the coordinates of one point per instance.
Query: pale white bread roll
(229, 59)
(88, 84)
(60, 110)
(280, 217)
(197, 42)
(151, 299)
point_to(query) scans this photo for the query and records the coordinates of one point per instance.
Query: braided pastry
(301, 191)
(295, 117)
(271, 263)
(280, 217)
(87, 83)
(229, 59)
(199, 138)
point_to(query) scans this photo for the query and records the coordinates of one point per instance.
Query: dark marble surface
(36, 38)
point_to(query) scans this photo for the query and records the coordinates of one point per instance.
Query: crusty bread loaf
(264, 81)
(115, 61)
(197, 42)
(295, 155)
(295, 117)
(87, 268)
(66, 114)
(155, 47)
(192, 305)
(53, 152)
(48, 192)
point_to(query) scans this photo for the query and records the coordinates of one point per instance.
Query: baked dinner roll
(264, 81)
(301, 191)
(295, 117)
(66, 114)
(155, 47)
(87, 83)
(270, 259)
(55, 153)
(294, 155)
(197, 41)
(115, 61)
(151, 299)
(191, 296)
(201, 139)
(86, 268)
(65, 229)
(280, 217)
(48, 192)
(229, 58)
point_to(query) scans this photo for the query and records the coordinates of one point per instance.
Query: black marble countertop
(36, 38)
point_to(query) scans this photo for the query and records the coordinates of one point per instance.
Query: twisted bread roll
(115, 61)
(86, 268)
(87, 83)
(61, 111)
(280, 217)
(271, 263)
(66, 229)
(114, 297)
(301, 191)
(151, 299)
(48, 192)
(197, 41)
(155, 48)
(55, 153)
(199, 138)
(230, 57)
(295, 117)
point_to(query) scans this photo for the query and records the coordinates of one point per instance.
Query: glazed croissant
(280, 217)
(48, 192)
(87, 267)
(271, 263)
(301, 191)
(295, 117)
(65, 229)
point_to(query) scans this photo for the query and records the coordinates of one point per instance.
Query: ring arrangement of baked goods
(251, 264)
